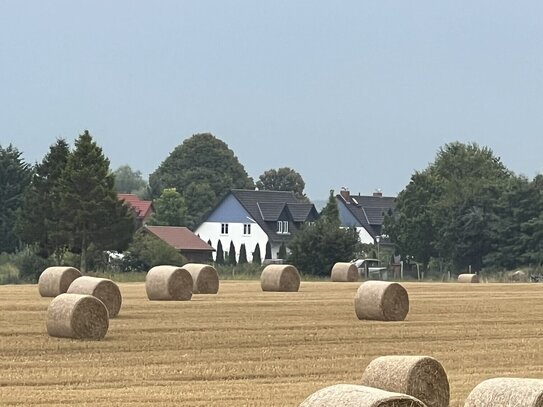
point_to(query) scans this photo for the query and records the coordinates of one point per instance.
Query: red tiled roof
(179, 237)
(141, 208)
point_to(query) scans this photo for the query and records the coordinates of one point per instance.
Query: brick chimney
(378, 193)
(345, 194)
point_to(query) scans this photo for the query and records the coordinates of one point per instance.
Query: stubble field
(244, 347)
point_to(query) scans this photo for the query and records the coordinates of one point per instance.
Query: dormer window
(247, 229)
(282, 227)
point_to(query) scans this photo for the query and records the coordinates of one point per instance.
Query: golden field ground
(245, 347)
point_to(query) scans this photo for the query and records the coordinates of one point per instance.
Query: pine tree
(257, 258)
(268, 254)
(242, 254)
(40, 216)
(15, 177)
(209, 258)
(232, 254)
(219, 259)
(89, 202)
(282, 254)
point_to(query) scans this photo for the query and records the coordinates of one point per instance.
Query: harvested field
(245, 347)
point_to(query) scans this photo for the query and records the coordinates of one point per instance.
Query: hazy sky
(348, 93)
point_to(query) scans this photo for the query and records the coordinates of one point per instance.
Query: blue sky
(353, 93)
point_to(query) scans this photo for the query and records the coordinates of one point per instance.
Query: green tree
(282, 253)
(242, 254)
(147, 251)
(219, 258)
(203, 169)
(15, 177)
(283, 179)
(317, 247)
(170, 209)
(40, 216)
(257, 258)
(232, 254)
(128, 181)
(89, 202)
(449, 211)
(268, 254)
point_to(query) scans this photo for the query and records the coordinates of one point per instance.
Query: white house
(365, 213)
(249, 217)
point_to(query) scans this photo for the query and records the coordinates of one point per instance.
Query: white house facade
(251, 218)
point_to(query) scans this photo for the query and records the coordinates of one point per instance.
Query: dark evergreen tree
(282, 254)
(232, 254)
(219, 259)
(330, 213)
(242, 254)
(210, 255)
(268, 254)
(41, 212)
(91, 210)
(15, 177)
(257, 258)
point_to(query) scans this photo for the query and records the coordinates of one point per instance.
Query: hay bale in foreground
(381, 301)
(77, 316)
(350, 395)
(170, 283)
(507, 392)
(102, 288)
(468, 278)
(205, 278)
(422, 377)
(54, 281)
(280, 277)
(344, 272)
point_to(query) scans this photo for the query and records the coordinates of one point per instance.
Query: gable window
(247, 229)
(282, 226)
(224, 228)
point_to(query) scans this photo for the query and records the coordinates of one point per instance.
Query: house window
(224, 228)
(247, 229)
(282, 226)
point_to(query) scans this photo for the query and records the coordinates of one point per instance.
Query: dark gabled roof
(370, 211)
(270, 211)
(264, 207)
(300, 211)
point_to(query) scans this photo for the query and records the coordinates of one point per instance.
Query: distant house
(365, 213)
(256, 217)
(183, 240)
(143, 210)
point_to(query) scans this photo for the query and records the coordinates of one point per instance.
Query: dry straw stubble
(468, 278)
(102, 288)
(280, 277)
(54, 281)
(507, 392)
(77, 316)
(170, 283)
(422, 377)
(381, 301)
(344, 272)
(205, 278)
(350, 395)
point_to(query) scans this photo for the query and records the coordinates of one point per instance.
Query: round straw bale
(77, 316)
(381, 301)
(422, 377)
(342, 272)
(468, 278)
(506, 392)
(350, 395)
(105, 290)
(205, 278)
(280, 277)
(168, 283)
(56, 280)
